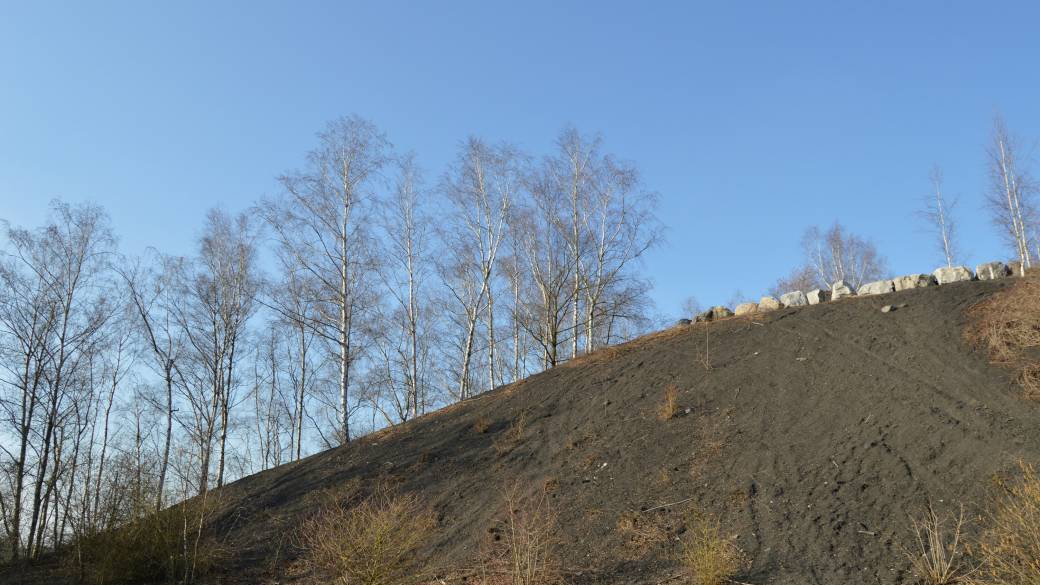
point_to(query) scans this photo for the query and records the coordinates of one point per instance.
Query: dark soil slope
(811, 432)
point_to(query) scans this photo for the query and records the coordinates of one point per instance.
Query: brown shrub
(1007, 327)
(522, 549)
(481, 425)
(708, 557)
(670, 407)
(174, 545)
(370, 542)
(938, 554)
(1010, 544)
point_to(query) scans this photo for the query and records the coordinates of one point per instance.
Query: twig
(666, 505)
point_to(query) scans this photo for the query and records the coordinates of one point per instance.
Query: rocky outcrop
(713, 314)
(817, 296)
(914, 281)
(745, 309)
(992, 271)
(768, 304)
(878, 287)
(841, 289)
(794, 299)
(948, 274)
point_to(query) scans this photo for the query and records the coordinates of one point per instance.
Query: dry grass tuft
(481, 425)
(1007, 327)
(368, 542)
(522, 550)
(640, 533)
(670, 407)
(938, 557)
(1010, 545)
(512, 436)
(708, 557)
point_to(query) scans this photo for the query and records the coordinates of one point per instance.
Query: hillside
(812, 433)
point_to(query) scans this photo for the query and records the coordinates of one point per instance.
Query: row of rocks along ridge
(944, 275)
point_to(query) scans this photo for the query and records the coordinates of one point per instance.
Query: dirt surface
(811, 432)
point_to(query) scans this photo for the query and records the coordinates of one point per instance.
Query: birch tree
(839, 255)
(1011, 193)
(481, 188)
(404, 341)
(937, 213)
(320, 222)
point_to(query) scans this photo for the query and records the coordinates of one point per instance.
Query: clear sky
(751, 119)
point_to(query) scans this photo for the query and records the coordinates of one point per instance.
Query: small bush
(171, 546)
(670, 407)
(481, 425)
(938, 556)
(708, 557)
(523, 548)
(1007, 327)
(371, 542)
(1010, 544)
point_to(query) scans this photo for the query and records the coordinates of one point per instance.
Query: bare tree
(803, 278)
(838, 255)
(219, 297)
(320, 223)
(150, 295)
(404, 341)
(481, 188)
(937, 213)
(1011, 192)
(54, 311)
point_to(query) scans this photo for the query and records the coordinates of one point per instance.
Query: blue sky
(752, 120)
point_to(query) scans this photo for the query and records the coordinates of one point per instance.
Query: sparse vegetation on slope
(1007, 326)
(1010, 547)
(367, 541)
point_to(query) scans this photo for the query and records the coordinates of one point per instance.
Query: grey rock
(720, 312)
(683, 322)
(992, 271)
(794, 299)
(746, 308)
(878, 287)
(713, 314)
(841, 289)
(948, 274)
(1015, 266)
(768, 304)
(915, 281)
(817, 296)
(888, 309)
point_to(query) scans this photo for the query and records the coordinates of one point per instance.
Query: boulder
(878, 287)
(914, 281)
(768, 304)
(948, 274)
(794, 299)
(683, 322)
(817, 296)
(746, 308)
(713, 314)
(1015, 266)
(720, 312)
(992, 271)
(841, 289)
